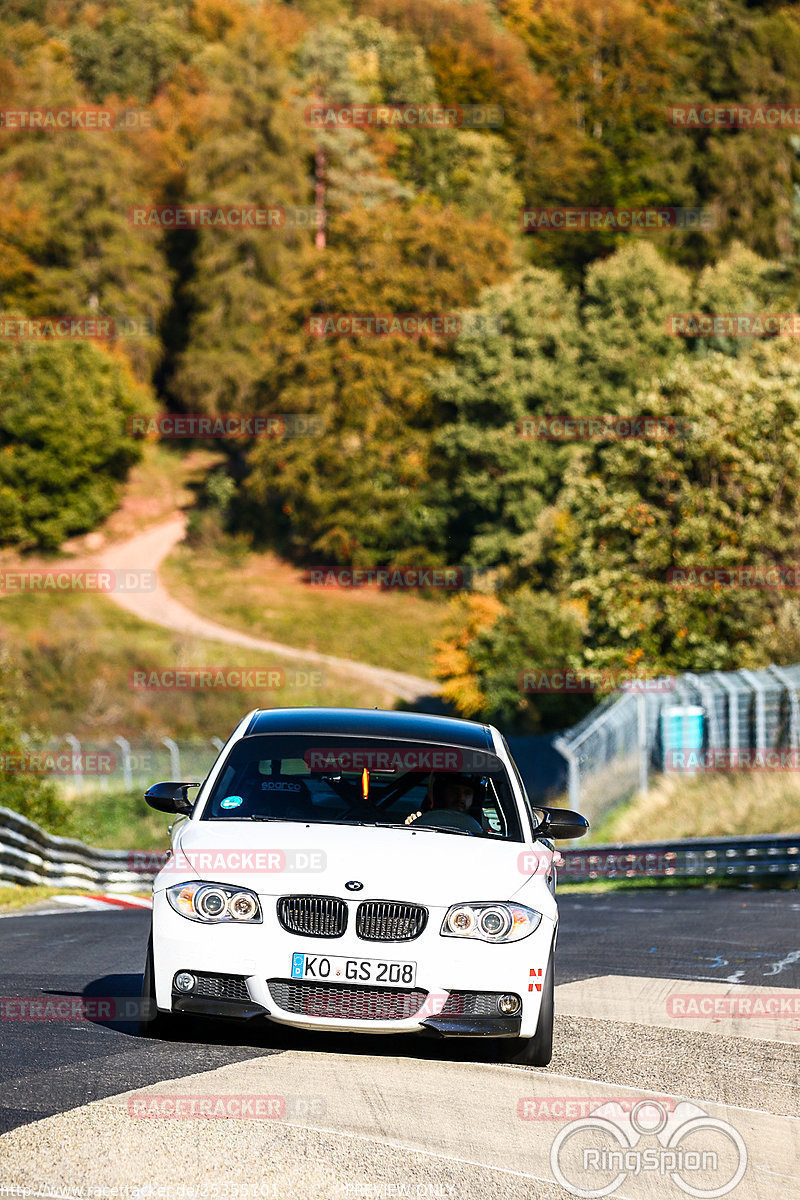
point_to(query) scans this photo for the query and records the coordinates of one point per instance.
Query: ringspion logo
(703, 1156)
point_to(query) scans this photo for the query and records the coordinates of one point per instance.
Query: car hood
(278, 858)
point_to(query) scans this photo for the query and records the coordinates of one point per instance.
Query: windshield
(365, 781)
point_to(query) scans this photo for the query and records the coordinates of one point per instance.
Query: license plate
(324, 968)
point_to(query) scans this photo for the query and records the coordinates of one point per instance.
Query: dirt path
(147, 550)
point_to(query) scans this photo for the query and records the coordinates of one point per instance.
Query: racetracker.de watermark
(734, 116)
(413, 324)
(107, 120)
(602, 429)
(614, 220)
(448, 579)
(209, 679)
(75, 579)
(327, 759)
(747, 1005)
(58, 762)
(745, 325)
(98, 1009)
(568, 679)
(606, 864)
(231, 425)
(752, 759)
(223, 1107)
(74, 328)
(232, 861)
(777, 576)
(568, 1108)
(229, 216)
(404, 116)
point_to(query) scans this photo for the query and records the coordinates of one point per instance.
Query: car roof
(374, 723)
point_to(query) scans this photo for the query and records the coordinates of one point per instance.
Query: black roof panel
(376, 723)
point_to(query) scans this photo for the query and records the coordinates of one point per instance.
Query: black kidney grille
(313, 916)
(343, 1002)
(390, 921)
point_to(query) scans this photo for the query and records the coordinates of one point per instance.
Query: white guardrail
(28, 855)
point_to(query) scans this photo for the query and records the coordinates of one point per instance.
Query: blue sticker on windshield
(231, 802)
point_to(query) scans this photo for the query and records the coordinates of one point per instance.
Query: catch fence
(678, 725)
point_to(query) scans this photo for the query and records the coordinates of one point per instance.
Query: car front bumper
(448, 972)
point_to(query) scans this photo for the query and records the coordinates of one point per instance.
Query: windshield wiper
(423, 828)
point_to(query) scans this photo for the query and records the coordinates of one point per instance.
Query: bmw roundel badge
(354, 885)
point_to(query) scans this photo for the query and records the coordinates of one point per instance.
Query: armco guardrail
(28, 855)
(758, 857)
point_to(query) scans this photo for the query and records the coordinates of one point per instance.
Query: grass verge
(116, 822)
(707, 805)
(76, 654)
(267, 597)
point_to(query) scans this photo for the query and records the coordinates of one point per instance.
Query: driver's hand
(412, 817)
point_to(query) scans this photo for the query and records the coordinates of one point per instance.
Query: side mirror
(560, 823)
(170, 797)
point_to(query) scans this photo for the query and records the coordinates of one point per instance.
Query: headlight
(490, 922)
(214, 902)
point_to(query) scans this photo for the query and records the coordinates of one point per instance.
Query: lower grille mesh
(219, 987)
(342, 1001)
(473, 1004)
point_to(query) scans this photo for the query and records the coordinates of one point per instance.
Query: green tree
(489, 647)
(64, 449)
(239, 283)
(74, 251)
(20, 791)
(724, 495)
(624, 339)
(490, 480)
(355, 490)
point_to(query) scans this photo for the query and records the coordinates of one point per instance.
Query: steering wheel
(448, 819)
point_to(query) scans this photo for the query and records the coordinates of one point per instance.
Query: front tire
(152, 1023)
(537, 1050)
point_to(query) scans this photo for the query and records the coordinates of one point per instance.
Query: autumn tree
(354, 492)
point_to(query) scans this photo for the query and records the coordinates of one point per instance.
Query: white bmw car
(358, 870)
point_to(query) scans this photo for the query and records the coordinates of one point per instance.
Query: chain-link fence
(115, 765)
(723, 718)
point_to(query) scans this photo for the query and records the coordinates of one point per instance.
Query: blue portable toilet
(682, 729)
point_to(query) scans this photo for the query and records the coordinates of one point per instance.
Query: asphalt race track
(370, 1116)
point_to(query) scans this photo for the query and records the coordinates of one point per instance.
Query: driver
(453, 793)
